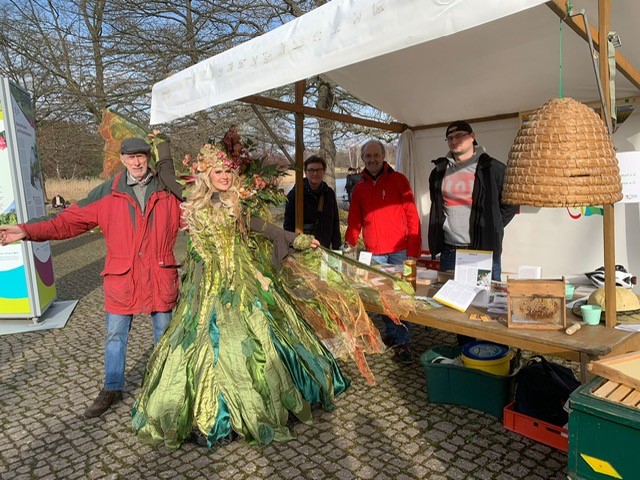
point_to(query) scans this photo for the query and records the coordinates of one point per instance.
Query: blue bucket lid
(482, 350)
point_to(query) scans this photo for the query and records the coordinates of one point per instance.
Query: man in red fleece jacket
(383, 209)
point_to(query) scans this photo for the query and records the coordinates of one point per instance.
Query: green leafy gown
(237, 355)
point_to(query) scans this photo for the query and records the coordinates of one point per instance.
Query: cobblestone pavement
(389, 431)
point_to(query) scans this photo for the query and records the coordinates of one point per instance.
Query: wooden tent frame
(599, 37)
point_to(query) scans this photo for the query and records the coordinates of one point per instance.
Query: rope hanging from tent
(562, 20)
(611, 54)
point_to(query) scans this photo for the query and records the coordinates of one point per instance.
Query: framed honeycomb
(538, 304)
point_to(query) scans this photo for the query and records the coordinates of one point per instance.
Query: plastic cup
(591, 314)
(568, 291)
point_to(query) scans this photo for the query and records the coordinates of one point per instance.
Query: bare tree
(62, 51)
(78, 57)
(328, 96)
(325, 100)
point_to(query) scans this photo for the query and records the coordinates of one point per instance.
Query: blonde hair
(200, 197)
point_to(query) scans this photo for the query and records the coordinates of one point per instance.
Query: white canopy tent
(422, 61)
(339, 34)
(428, 62)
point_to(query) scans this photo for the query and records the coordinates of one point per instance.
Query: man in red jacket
(382, 207)
(139, 220)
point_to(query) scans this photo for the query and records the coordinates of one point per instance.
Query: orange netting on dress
(331, 292)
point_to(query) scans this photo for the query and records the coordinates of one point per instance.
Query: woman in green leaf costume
(236, 356)
(250, 338)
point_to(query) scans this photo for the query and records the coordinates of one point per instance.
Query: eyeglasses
(458, 136)
(315, 170)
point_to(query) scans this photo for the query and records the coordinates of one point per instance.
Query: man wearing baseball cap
(466, 200)
(139, 220)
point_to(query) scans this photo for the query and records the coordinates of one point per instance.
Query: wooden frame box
(536, 304)
(624, 369)
(603, 435)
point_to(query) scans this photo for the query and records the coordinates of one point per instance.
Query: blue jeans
(115, 348)
(448, 261)
(398, 333)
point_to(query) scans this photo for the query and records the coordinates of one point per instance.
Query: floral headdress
(258, 178)
(229, 153)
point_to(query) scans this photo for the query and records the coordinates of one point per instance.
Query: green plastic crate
(464, 386)
(604, 437)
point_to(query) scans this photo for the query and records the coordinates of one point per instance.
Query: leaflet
(473, 267)
(457, 295)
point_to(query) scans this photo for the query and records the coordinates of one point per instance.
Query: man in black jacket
(466, 205)
(321, 218)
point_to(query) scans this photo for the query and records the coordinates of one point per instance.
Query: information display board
(629, 163)
(27, 286)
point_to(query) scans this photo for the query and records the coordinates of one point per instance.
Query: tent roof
(421, 61)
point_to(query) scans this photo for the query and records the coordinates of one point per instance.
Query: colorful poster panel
(26, 270)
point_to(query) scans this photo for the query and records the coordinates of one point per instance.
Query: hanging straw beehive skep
(563, 156)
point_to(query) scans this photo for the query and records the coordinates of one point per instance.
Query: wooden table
(589, 343)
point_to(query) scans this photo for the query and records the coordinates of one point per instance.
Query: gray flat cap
(134, 145)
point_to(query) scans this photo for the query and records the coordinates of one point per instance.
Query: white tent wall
(627, 139)
(547, 237)
(550, 238)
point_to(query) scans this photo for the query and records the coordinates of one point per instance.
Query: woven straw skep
(563, 156)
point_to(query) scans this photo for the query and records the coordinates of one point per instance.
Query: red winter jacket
(385, 211)
(140, 271)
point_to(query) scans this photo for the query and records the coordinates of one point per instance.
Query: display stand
(27, 286)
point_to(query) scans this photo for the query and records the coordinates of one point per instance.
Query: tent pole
(604, 19)
(300, 88)
(272, 134)
(577, 25)
(594, 57)
(319, 113)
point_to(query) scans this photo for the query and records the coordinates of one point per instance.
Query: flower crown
(259, 178)
(228, 153)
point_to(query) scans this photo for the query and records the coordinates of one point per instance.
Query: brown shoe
(102, 402)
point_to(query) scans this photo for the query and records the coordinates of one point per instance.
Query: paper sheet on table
(529, 271)
(428, 300)
(629, 327)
